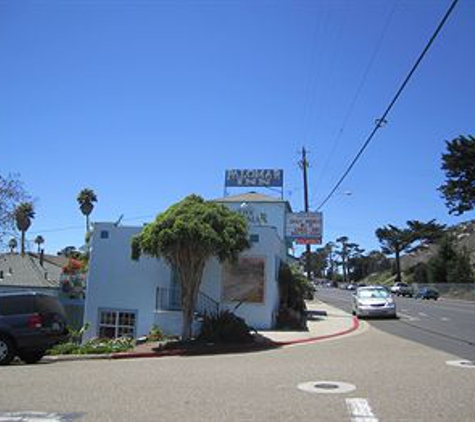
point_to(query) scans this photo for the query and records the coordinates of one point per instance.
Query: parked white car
(373, 301)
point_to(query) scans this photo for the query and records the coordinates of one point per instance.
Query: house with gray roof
(29, 272)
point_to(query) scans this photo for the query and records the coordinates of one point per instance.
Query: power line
(382, 120)
(60, 229)
(359, 89)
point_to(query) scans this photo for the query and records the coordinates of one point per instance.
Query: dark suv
(30, 323)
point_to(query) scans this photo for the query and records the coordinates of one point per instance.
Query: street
(394, 380)
(445, 324)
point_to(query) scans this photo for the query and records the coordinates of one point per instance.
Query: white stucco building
(126, 297)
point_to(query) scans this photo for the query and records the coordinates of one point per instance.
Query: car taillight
(35, 321)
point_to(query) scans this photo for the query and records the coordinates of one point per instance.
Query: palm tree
(12, 244)
(86, 199)
(24, 213)
(39, 240)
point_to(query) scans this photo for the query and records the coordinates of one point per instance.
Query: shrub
(94, 346)
(225, 327)
(155, 333)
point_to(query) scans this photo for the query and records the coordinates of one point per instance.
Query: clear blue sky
(148, 101)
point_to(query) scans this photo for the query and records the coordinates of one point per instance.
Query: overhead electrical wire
(382, 120)
(359, 89)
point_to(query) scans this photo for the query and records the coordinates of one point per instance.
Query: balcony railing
(170, 300)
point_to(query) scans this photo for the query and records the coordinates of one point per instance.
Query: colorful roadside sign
(305, 228)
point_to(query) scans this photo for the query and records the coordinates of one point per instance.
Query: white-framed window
(116, 323)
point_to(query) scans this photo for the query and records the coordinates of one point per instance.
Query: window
(17, 305)
(114, 324)
(254, 238)
(104, 234)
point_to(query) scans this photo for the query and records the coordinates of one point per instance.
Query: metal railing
(170, 300)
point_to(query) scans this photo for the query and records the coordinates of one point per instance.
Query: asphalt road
(394, 379)
(446, 325)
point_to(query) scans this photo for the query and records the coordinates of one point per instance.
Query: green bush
(94, 346)
(225, 327)
(155, 334)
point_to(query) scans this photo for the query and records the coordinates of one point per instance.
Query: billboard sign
(258, 178)
(305, 228)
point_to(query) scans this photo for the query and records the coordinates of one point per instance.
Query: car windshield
(373, 294)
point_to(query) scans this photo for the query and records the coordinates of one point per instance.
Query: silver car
(373, 301)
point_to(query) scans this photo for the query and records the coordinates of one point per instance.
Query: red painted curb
(355, 326)
(160, 354)
(182, 352)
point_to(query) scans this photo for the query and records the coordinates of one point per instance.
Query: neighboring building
(29, 272)
(40, 273)
(126, 297)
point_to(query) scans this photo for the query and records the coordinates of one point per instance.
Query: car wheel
(7, 350)
(31, 356)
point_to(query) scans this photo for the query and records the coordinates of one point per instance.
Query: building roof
(26, 271)
(251, 197)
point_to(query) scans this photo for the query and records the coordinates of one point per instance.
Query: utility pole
(303, 163)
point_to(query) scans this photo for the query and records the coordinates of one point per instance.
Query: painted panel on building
(257, 177)
(304, 227)
(244, 280)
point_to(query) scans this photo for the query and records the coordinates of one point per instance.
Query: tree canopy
(459, 166)
(186, 235)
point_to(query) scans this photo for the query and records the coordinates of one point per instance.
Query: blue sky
(148, 101)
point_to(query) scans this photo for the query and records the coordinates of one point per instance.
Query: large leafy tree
(24, 213)
(186, 236)
(459, 166)
(395, 241)
(430, 232)
(86, 199)
(450, 265)
(12, 194)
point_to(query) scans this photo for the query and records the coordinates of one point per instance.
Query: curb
(183, 352)
(354, 327)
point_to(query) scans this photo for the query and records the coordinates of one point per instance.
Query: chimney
(42, 257)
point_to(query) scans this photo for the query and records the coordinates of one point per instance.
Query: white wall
(117, 282)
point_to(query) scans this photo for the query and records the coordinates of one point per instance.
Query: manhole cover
(326, 387)
(461, 363)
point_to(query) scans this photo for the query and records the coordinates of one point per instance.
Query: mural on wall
(244, 280)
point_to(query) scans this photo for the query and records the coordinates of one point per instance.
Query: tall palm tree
(24, 213)
(39, 240)
(86, 199)
(12, 244)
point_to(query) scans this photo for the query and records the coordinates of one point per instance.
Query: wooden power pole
(304, 165)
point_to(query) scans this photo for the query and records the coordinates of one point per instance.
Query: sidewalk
(324, 322)
(334, 324)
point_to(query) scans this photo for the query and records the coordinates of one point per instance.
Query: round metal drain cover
(326, 387)
(461, 363)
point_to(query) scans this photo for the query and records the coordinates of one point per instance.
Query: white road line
(360, 411)
(408, 317)
(445, 319)
(422, 314)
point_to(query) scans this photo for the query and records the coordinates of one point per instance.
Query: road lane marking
(422, 314)
(408, 317)
(360, 411)
(445, 319)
